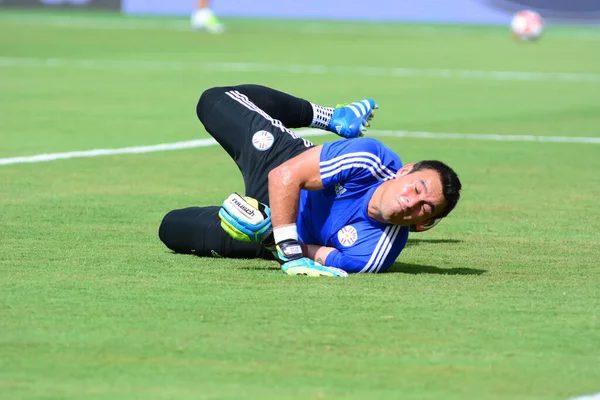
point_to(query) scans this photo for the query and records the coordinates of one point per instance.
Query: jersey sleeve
(371, 256)
(354, 161)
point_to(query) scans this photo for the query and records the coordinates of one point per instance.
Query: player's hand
(289, 250)
(291, 256)
(245, 219)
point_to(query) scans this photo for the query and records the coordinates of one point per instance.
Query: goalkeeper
(344, 206)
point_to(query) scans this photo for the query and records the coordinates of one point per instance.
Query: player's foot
(205, 19)
(351, 120)
(424, 227)
(298, 267)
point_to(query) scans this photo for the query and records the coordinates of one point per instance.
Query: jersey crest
(347, 236)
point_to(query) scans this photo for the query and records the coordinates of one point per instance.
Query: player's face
(413, 197)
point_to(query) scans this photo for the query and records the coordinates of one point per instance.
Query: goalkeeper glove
(293, 262)
(308, 267)
(245, 219)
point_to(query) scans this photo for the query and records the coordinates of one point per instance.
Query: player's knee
(207, 98)
(165, 230)
(174, 234)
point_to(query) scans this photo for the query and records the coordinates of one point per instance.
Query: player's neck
(373, 208)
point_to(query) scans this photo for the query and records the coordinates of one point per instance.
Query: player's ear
(405, 170)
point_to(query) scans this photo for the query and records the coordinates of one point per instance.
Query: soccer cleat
(425, 227)
(205, 19)
(306, 266)
(351, 120)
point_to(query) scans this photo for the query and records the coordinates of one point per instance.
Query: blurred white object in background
(205, 19)
(527, 25)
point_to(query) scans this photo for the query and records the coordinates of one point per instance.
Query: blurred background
(454, 11)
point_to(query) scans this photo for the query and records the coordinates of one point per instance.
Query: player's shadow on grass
(403, 268)
(418, 242)
(397, 267)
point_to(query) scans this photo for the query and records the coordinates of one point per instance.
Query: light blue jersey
(337, 217)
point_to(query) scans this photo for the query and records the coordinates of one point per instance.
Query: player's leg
(204, 18)
(348, 120)
(197, 230)
(255, 140)
(283, 108)
(292, 111)
(251, 123)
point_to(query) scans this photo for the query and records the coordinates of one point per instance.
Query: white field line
(595, 396)
(392, 72)
(484, 136)
(310, 132)
(108, 152)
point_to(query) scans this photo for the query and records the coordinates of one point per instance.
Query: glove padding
(291, 256)
(245, 219)
(308, 267)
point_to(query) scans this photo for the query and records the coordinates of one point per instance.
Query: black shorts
(254, 135)
(197, 230)
(255, 141)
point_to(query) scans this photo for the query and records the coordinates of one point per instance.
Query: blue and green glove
(245, 219)
(248, 220)
(293, 262)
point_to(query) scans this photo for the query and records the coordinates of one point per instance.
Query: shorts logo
(262, 140)
(347, 236)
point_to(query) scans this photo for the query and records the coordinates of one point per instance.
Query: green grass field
(500, 301)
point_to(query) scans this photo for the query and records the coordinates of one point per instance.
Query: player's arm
(338, 259)
(246, 219)
(350, 263)
(285, 183)
(318, 253)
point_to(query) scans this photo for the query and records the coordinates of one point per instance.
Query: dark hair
(450, 183)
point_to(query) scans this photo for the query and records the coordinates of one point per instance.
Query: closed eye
(423, 186)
